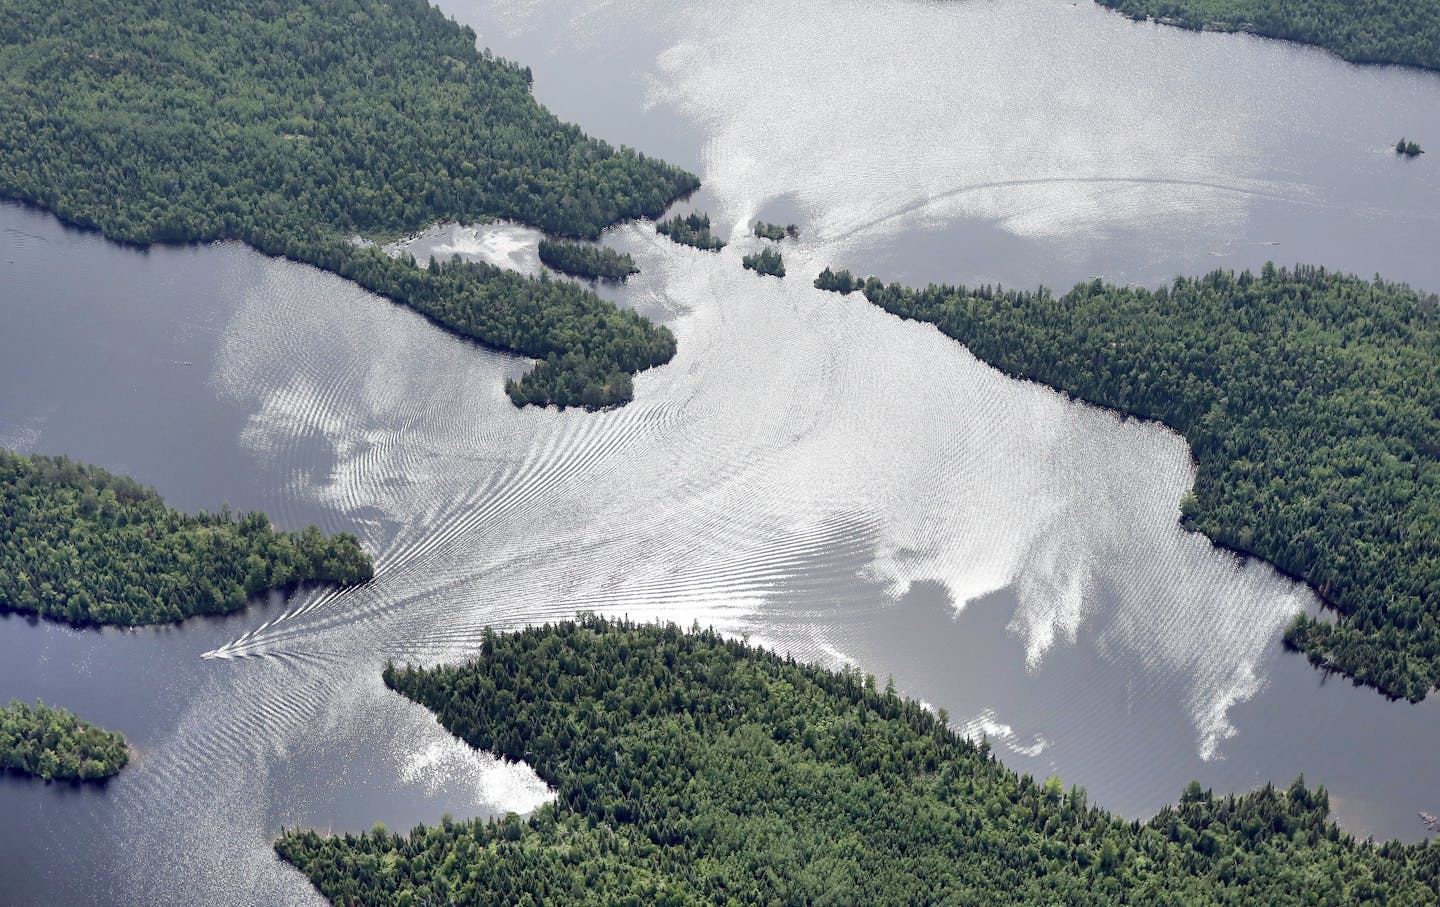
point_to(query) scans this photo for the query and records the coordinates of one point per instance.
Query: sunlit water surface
(809, 470)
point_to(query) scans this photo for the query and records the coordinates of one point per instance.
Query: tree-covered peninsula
(55, 744)
(1311, 401)
(691, 230)
(1361, 31)
(293, 126)
(690, 769)
(586, 260)
(81, 545)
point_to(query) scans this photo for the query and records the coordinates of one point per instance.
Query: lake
(809, 471)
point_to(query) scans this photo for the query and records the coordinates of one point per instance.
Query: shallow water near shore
(809, 471)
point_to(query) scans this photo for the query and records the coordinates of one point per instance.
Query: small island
(837, 281)
(691, 230)
(766, 261)
(1407, 148)
(81, 545)
(55, 744)
(776, 232)
(586, 260)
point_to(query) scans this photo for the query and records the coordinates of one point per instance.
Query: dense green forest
(81, 545)
(292, 126)
(766, 230)
(691, 230)
(1361, 31)
(1311, 401)
(766, 261)
(691, 769)
(586, 346)
(587, 260)
(1408, 148)
(53, 743)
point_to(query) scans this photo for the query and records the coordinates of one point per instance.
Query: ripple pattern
(806, 471)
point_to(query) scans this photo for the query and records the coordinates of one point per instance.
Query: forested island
(1311, 402)
(1408, 148)
(766, 261)
(293, 126)
(691, 769)
(55, 744)
(586, 260)
(1361, 31)
(691, 230)
(775, 232)
(82, 545)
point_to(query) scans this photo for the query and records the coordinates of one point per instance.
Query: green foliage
(690, 769)
(1361, 31)
(1311, 401)
(587, 347)
(81, 545)
(691, 230)
(776, 232)
(837, 281)
(1409, 149)
(54, 743)
(292, 126)
(766, 261)
(587, 260)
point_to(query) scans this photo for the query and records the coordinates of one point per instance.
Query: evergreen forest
(691, 230)
(586, 260)
(1311, 402)
(55, 744)
(82, 545)
(775, 232)
(766, 261)
(295, 126)
(1361, 31)
(691, 769)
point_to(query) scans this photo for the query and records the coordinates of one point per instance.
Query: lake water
(809, 470)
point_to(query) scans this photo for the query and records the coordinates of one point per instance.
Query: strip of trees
(691, 230)
(1361, 31)
(766, 261)
(775, 232)
(692, 769)
(586, 260)
(1311, 401)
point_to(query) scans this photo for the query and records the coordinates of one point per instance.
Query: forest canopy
(691, 229)
(293, 126)
(1361, 31)
(586, 260)
(1311, 401)
(55, 744)
(766, 261)
(82, 545)
(691, 769)
(775, 232)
